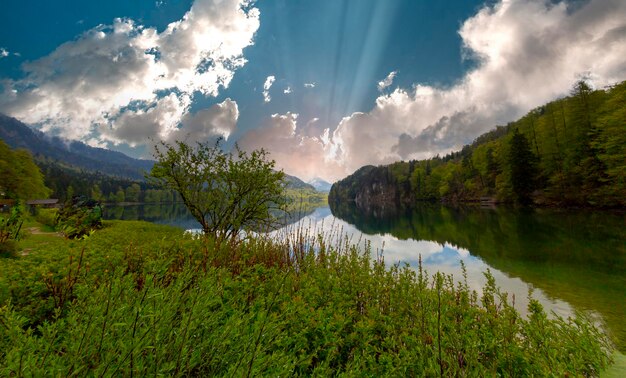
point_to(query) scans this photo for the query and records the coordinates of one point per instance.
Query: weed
(149, 300)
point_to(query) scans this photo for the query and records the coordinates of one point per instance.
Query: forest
(569, 152)
(68, 181)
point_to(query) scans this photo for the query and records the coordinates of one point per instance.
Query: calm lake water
(574, 260)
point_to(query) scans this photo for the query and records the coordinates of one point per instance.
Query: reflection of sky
(436, 257)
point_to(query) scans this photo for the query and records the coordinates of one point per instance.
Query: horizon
(325, 87)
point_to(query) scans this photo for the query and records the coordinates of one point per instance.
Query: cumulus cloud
(169, 120)
(219, 120)
(287, 90)
(309, 85)
(385, 83)
(295, 153)
(269, 81)
(528, 51)
(3, 52)
(129, 82)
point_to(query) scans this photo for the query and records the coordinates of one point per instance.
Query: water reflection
(177, 215)
(171, 214)
(574, 260)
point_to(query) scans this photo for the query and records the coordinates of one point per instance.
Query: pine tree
(523, 168)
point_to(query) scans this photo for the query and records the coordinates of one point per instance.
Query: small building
(46, 203)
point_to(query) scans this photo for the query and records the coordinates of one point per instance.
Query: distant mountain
(320, 185)
(71, 153)
(295, 183)
(77, 155)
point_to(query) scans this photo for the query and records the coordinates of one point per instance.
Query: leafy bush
(47, 217)
(79, 217)
(225, 192)
(11, 226)
(8, 248)
(158, 302)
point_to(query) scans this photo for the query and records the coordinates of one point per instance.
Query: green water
(172, 214)
(576, 259)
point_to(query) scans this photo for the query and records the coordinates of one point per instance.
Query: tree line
(569, 152)
(67, 182)
(23, 177)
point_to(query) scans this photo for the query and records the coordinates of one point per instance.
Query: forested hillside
(73, 168)
(74, 154)
(66, 182)
(569, 152)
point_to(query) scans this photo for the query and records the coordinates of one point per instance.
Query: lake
(573, 260)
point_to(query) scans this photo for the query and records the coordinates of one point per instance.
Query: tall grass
(149, 301)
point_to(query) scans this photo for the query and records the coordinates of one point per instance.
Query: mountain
(570, 152)
(58, 155)
(295, 183)
(71, 153)
(320, 185)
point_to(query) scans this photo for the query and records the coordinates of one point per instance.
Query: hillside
(293, 182)
(569, 152)
(89, 171)
(71, 153)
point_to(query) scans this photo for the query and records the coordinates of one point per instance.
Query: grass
(141, 299)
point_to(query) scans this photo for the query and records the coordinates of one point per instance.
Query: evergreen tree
(523, 167)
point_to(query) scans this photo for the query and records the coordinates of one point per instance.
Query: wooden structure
(48, 203)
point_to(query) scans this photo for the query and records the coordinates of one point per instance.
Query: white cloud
(385, 83)
(131, 82)
(529, 52)
(266, 88)
(295, 153)
(219, 120)
(170, 120)
(135, 127)
(287, 90)
(3, 52)
(309, 85)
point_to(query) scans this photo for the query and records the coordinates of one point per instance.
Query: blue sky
(347, 83)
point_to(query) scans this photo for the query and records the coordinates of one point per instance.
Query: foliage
(79, 217)
(574, 154)
(47, 217)
(10, 226)
(521, 167)
(19, 176)
(158, 302)
(66, 182)
(226, 194)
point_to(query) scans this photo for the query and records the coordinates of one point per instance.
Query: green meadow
(135, 298)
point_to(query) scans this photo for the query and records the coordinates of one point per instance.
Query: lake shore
(143, 294)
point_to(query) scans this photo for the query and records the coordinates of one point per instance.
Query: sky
(325, 86)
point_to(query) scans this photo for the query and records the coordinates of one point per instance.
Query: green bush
(79, 217)
(11, 226)
(143, 299)
(8, 248)
(47, 217)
